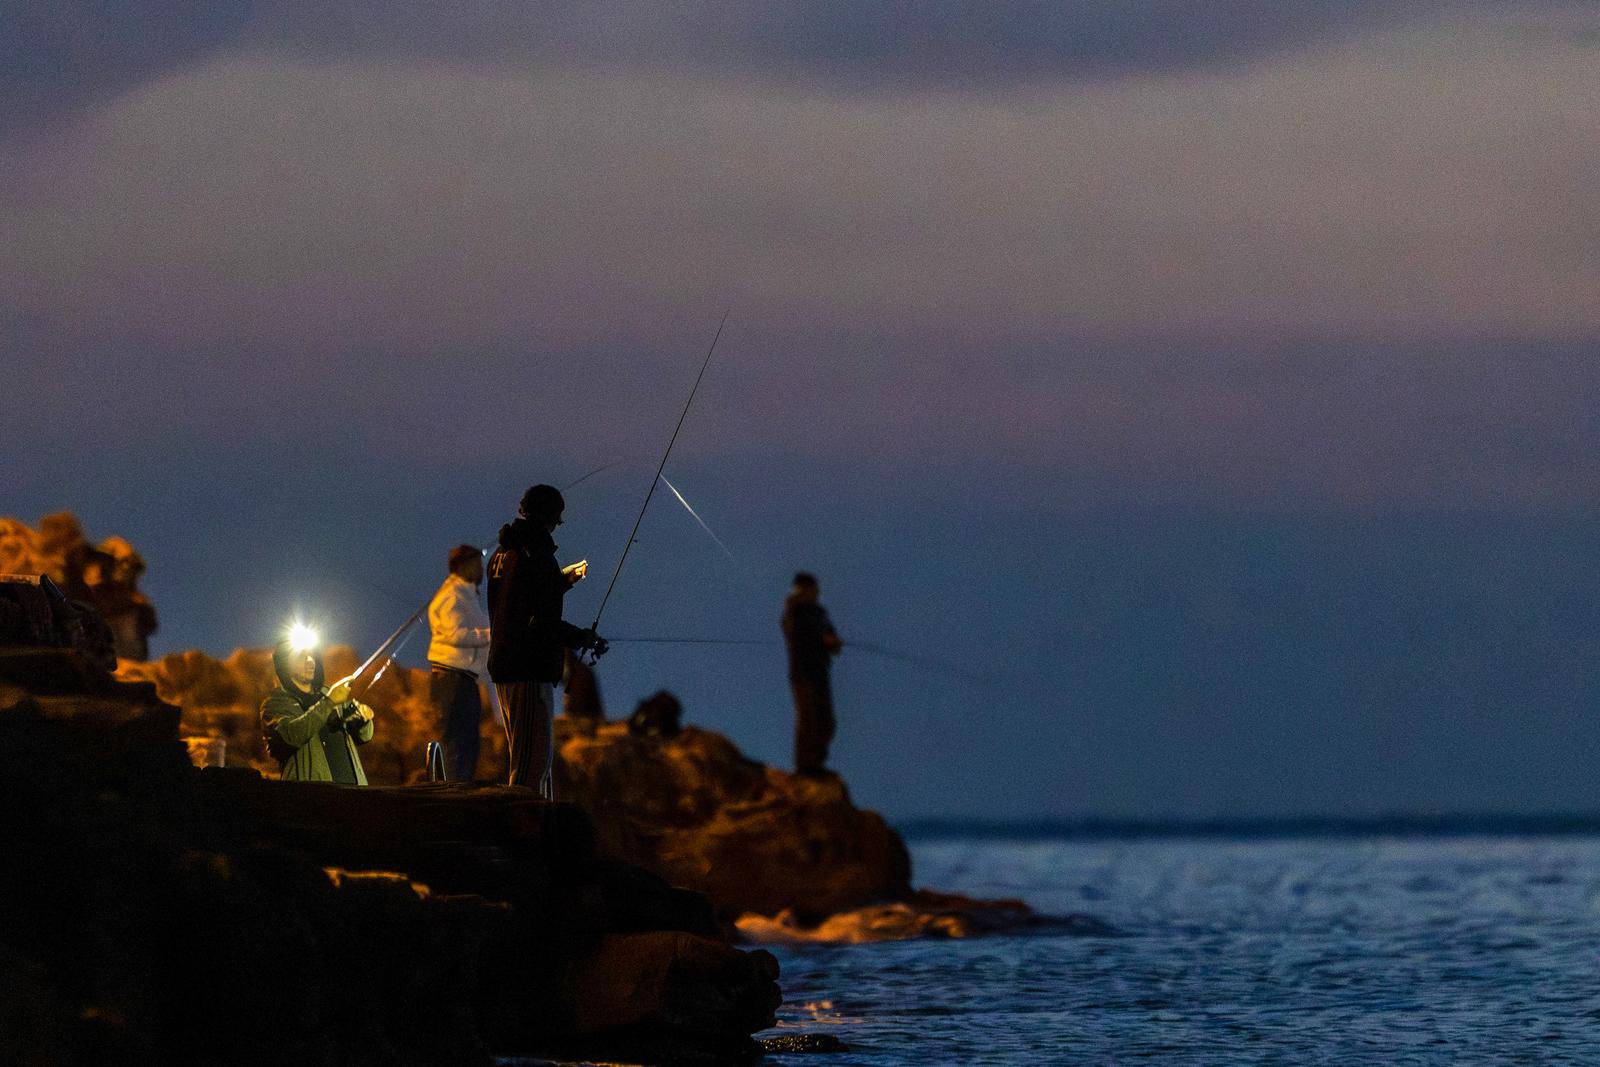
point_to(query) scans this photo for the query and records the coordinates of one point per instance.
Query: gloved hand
(339, 692)
(596, 644)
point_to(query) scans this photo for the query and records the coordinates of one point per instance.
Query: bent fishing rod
(656, 478)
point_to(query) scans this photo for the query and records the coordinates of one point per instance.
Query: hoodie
(526, 588)
(313, 739)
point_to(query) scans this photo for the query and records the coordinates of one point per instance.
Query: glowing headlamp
(302, 638)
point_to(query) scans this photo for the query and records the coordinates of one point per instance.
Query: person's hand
(832, 643)
(576, 572)
(339, 692)
(592, 641)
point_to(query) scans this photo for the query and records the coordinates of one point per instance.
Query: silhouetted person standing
(812, 644)
(527, 636)
(457, 655)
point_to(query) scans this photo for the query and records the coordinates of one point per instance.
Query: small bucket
(206, 751)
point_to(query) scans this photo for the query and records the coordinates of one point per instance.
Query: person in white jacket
(457, 655)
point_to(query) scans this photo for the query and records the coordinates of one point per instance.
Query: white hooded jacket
(460, 627)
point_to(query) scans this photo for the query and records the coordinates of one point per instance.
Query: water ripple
(1404, 950)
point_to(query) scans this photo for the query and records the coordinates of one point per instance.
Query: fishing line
(933, 666)
(659, 468)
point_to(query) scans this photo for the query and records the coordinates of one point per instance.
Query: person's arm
(830, 637)
(284, 718)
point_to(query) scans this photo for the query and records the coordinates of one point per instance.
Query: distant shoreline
(1547, 825)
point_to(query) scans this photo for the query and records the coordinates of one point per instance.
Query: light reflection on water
(1404, 950)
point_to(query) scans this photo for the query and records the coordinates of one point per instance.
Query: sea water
(1315, 950)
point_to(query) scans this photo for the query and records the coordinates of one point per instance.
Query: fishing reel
(593, 648)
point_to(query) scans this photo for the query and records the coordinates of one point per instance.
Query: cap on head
(805, 579)
(542, 503)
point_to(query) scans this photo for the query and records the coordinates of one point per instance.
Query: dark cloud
(57, 56)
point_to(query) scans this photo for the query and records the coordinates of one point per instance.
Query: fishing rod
(402, 634)
(591, 474)
(656, 478)
(389, 645)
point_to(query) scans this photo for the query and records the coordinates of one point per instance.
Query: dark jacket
(806, 630)
(526, 587)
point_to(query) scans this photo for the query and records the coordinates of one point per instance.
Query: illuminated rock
(105, 576)
(697, 811)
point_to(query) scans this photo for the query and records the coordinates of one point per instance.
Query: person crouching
(312, 730)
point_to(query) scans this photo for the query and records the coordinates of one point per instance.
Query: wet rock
(923, 914)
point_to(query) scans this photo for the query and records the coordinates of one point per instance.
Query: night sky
(1220, 378)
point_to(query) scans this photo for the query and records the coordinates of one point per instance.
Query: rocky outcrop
(783, 857)
(697, 811)
(104, 575)
(155, 913)
(924, 913)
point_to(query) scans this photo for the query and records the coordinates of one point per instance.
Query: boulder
(697, 811)
(105, 576)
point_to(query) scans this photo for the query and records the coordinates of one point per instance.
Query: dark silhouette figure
(457, 655)
(659, 716)
(812, 644)
(528, 638)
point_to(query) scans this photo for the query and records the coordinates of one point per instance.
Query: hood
(280, 663)
(522, 535)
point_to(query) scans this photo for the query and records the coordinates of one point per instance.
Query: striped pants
(528, 707)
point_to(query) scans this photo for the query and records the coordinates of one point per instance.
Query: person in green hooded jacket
(312, 730)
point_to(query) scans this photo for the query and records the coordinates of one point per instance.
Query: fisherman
(812, 644)
(311, 730)
(527, 637)
(457, 656)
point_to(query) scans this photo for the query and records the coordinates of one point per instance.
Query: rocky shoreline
(156, 911)
(782, 857)
(159, 913)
